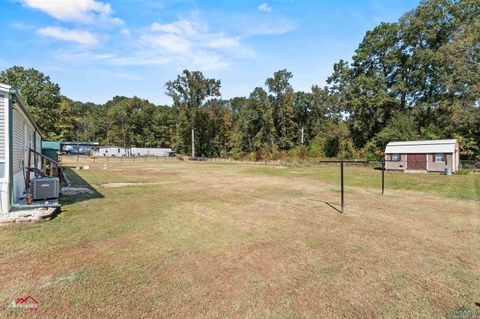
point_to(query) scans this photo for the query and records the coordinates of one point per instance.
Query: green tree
(283, 112)
(402, 127)
(41, 95)
(303, 107)
(188, 93)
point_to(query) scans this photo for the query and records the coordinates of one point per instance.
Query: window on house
(395, 157)
(439, 157)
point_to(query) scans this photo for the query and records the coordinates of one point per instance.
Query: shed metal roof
(51, 145)
(418, 147)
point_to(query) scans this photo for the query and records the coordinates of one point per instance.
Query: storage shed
(422, 156)
(51, 149)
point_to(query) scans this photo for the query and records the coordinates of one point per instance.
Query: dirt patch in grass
(114, 185)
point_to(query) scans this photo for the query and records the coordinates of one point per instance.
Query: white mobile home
(113, 151)
(18, 135)
(143, 151)
(422, 156)
(117, 151)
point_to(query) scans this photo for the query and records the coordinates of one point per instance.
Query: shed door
(417, 161)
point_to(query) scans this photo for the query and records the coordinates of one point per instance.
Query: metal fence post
(383, 177)
(341, 182)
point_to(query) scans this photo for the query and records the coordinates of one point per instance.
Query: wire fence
(473, 165)
(113, 159)
(84, 159)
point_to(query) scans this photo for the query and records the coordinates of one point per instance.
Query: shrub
(315, 149)
(298, 152)
(236, 154)
(252, 156)
(277, 155)
(463, 171)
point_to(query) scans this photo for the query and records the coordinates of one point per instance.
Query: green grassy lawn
(455, 186)
(205, 240)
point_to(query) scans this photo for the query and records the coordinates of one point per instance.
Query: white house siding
(22, 139)
(18, 140)
(4, 176)
(2, 127)
(38, 146)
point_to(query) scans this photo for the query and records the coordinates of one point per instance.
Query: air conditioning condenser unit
(45, 188)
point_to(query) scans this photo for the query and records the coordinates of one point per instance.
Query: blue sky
(96, 49)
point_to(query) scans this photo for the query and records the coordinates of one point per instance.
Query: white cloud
(21, 25)
(264, 7)
(168, 42)
(189, 43)
(71, 35)
(84, 11)
(184, 43)
(126, 75)
(125, 32)
(223, 42)
(180, 27)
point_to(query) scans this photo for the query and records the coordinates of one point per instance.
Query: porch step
(28, 215)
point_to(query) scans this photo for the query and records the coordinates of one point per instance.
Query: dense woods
(418, 78)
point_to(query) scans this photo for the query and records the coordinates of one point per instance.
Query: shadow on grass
(77, 181)
(330, 204)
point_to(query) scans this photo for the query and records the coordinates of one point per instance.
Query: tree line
(417, 78)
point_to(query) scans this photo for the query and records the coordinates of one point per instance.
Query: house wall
(397, 165)
(431, 165)
(3, 103)
(23, 133)
(4, 176)
(439, 166)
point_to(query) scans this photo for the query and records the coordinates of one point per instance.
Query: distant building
(114, 151)
(427, 156)
(118, 151)
(75, 148)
